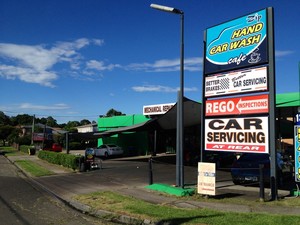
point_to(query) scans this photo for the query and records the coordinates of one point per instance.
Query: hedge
(24, 148)
(66, 160)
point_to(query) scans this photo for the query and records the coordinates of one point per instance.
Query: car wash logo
(238, 43)
(237, 134)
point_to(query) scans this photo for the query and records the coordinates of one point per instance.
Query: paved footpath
(129, 177)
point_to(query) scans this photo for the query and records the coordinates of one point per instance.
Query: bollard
(150, 171)
(261, 183)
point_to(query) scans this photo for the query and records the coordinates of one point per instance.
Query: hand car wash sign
(237, 43)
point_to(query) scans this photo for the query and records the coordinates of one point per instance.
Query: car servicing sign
(238, 43)
(236, 82)
(248, 134)
(297, 153)
(238, 105)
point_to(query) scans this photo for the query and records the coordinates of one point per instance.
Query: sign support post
(272, 111)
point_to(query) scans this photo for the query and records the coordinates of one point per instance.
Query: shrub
(75, 145)
(24, 148)
(66, 160)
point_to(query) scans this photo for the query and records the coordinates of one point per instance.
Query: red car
(55, 147)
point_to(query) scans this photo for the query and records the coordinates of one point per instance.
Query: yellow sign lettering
(247, 30)
(218, 49)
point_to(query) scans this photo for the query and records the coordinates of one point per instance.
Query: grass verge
(33, 168)
(161, 213)
(9, 150)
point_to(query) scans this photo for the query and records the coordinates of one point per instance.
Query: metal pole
(272, 110)
(67, 143)
(32, 129)
(150, 171)
(155, 143)
(261, 183)
(178, 149)
(181, 118)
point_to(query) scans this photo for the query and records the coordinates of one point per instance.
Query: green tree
(14, 136)
(23, 119)
(71, 126)
(4, 120)
(84, 122)
(113, 112)
(5, 131)
(51, 122)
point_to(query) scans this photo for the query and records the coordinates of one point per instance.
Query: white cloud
(100, 65)
(31, 108)
(280, 53)
(159, 88)
(60, 106)
(29, 75)
(168, 65)
(36, 57)
(33, 63)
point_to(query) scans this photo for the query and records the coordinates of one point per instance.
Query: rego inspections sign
(237, 134)
(237, 106)
(236, 82)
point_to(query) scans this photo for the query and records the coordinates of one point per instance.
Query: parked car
(221, 159)
(108, 150)
(55, 147)
(246, 168)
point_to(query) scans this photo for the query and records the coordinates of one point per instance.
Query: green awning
(288, 99)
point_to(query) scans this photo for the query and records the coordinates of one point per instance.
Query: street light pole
(180, 103)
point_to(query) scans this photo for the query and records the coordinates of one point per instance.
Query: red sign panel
(237, 106)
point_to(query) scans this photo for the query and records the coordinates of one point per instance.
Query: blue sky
(75, 60)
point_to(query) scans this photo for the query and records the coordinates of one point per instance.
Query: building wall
(133, 143)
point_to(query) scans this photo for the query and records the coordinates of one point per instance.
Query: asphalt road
(23, 202)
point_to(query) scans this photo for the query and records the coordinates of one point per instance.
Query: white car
(108, 150)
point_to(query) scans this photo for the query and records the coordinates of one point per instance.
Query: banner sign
(157, 109)
(42, 136)
(236, 82)
(238, 43)
(297, 119)
(297, 153)
(206, 178)
(237, 106)
(248, 134)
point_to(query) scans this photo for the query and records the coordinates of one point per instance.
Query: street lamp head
(166, 9)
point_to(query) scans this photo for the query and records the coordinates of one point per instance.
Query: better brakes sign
(234, 82)
(237, 106)
(249, 134)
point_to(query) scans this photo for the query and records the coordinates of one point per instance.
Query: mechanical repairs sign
(238, 43)
(238, 105)
(247, 134)
(206, 178)
(236, 82)
(157, 109)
